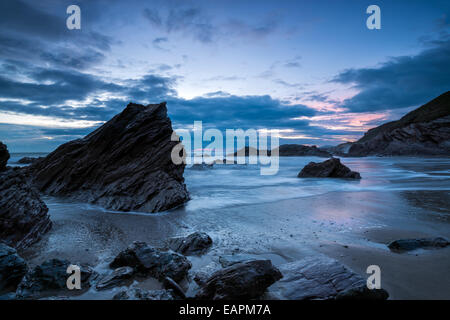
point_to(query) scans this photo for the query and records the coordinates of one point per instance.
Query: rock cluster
(153, 262)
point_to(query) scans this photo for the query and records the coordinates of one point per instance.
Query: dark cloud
(243, 29)
(292, 64)
(157, 42)
(196, 23)
(45, 92)
(401, 81)
(287, 84)
(222, 110)
(37, 36)
(190, 21)
(225, 78)
(25, 18)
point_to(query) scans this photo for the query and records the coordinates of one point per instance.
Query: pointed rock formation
(124, 165)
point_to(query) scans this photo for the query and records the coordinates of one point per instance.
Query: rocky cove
(239, 236)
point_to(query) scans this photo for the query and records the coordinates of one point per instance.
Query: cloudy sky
(309, 68)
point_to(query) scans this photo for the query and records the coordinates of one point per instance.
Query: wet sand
(352, 227)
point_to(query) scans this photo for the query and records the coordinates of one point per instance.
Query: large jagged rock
(194, 244)
(151, 261)
(322, 278)
(246, 280)
(12, 268)
(124, 165)
(331, 168)
(4, 156)
(23, 215)
(424, 131)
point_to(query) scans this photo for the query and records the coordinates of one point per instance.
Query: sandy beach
(352, 227)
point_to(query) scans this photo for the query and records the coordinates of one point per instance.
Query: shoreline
(351, 227)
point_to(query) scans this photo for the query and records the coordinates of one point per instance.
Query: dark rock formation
(331, 168)
(247, 280)
(340, 150)
(285, 150)
(49, 277)
(29, 160)
(298, 150)
(423, 243)
(246, 152)
(139, 294)
(116, 278)
(202, 166)
(4, 156)
(12, 268)
(23, 215)
(424, 131)
(123, 165)
(150, 261)
(194, 244)
(321, 278)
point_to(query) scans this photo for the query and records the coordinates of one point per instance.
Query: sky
(311, 69)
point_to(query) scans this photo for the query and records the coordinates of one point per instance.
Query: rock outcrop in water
(424, 131)
(285, 150)
(124, 165)
(298, 150)
(4, 156)
(23, 215)
(422, 243)
(331, 168)
(246, 280)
